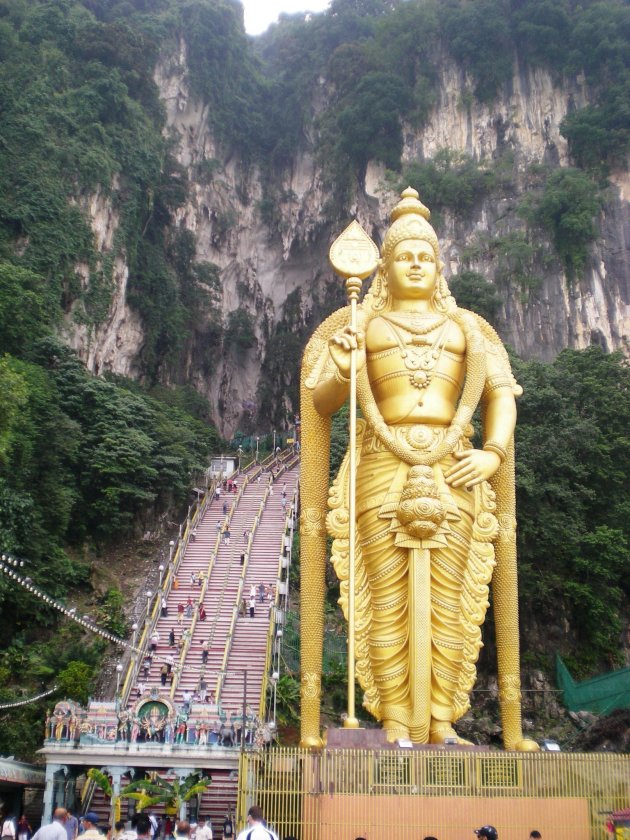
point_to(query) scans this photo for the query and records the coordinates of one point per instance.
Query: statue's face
(412, 270)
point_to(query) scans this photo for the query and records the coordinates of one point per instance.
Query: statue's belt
(418, 436)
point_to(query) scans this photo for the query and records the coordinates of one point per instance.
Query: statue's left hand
(475, 466)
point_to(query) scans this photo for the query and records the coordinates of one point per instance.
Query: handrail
(190, 631)
(288, 531)
(239, 595)
(149, 620)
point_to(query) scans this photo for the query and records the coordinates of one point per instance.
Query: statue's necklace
(419, 361)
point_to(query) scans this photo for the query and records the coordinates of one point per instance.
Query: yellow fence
(444, 793)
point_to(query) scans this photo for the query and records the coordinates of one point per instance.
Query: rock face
(260, 267)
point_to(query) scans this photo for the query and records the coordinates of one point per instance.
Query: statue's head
(409, 223)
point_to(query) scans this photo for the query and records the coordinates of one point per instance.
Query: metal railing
(274, 625)
(151, 613)
(440, 792)
(239, 593)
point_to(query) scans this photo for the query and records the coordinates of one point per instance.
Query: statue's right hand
(341, 346)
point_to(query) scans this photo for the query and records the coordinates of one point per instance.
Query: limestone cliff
(261, 267)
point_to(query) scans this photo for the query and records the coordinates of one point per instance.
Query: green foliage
(451, 180)
(573, 457)
(75, 682)
(472, 291)
(599, 135)
(240, 330)
(369, 126)
(566, 209)
(478, 36)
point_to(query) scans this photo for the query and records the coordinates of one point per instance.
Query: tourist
(204, 651)
(487, 831)
(8, 828)
(24, 829)
(226, 536)
(183, 830)
(72, 825)
(193, 578)
(252, 607)
(163, 673)
(155, 639)
(55, 831)
(141, 688)
(204, 829)
(89, 824)
(170, 661)
(261, 592)
(180, 613)
(164, 607)
(189, 608)
(143, 826)
(175, 583)
(202, 612)
(228, 827)
(535, 835)
(119, 830)
(225, 508)
(256, 828)
(171, 638)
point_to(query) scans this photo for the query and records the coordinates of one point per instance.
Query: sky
(259, 14)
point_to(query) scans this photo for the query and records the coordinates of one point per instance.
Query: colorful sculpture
(434, 515)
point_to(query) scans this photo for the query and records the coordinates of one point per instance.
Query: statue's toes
(526, 745)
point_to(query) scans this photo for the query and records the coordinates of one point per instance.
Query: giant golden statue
(434, 516)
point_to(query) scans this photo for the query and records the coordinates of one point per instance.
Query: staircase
(249, 642)
(235, 643)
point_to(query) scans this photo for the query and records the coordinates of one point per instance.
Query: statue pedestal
(375, 739)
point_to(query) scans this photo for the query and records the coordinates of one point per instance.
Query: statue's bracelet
(493, 446)
(340, 377)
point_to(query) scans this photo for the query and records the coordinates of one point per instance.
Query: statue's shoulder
(498, 362)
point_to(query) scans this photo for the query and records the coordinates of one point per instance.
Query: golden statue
(434, 517)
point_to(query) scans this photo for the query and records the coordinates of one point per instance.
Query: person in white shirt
(204, 829)
(256, 828)
(55, 831)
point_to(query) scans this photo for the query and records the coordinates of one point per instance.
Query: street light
(149, 596)
(161, 571)
(274, 441)
(257, 440)
(119, 669)
(134, 628)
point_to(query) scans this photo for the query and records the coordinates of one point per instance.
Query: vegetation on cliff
(82, 459)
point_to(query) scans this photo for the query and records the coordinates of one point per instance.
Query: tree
(156, 790)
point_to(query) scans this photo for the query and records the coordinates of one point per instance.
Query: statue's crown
(410, 203)
(409, 220)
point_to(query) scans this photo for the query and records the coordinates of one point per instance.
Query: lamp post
(134, 631)
(257, 440)
(161, 571)
(149, 596)
(274, 442)
(119, 669)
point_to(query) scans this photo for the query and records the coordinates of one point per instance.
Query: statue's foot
(442, 731)
(395, 731)
(311, 742)
(525, 745)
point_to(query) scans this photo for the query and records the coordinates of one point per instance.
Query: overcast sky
(259, 14)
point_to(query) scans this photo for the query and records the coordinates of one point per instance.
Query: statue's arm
(333, 386)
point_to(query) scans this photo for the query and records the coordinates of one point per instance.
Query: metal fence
(445, 793)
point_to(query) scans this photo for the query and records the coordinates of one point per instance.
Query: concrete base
(376, 739)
